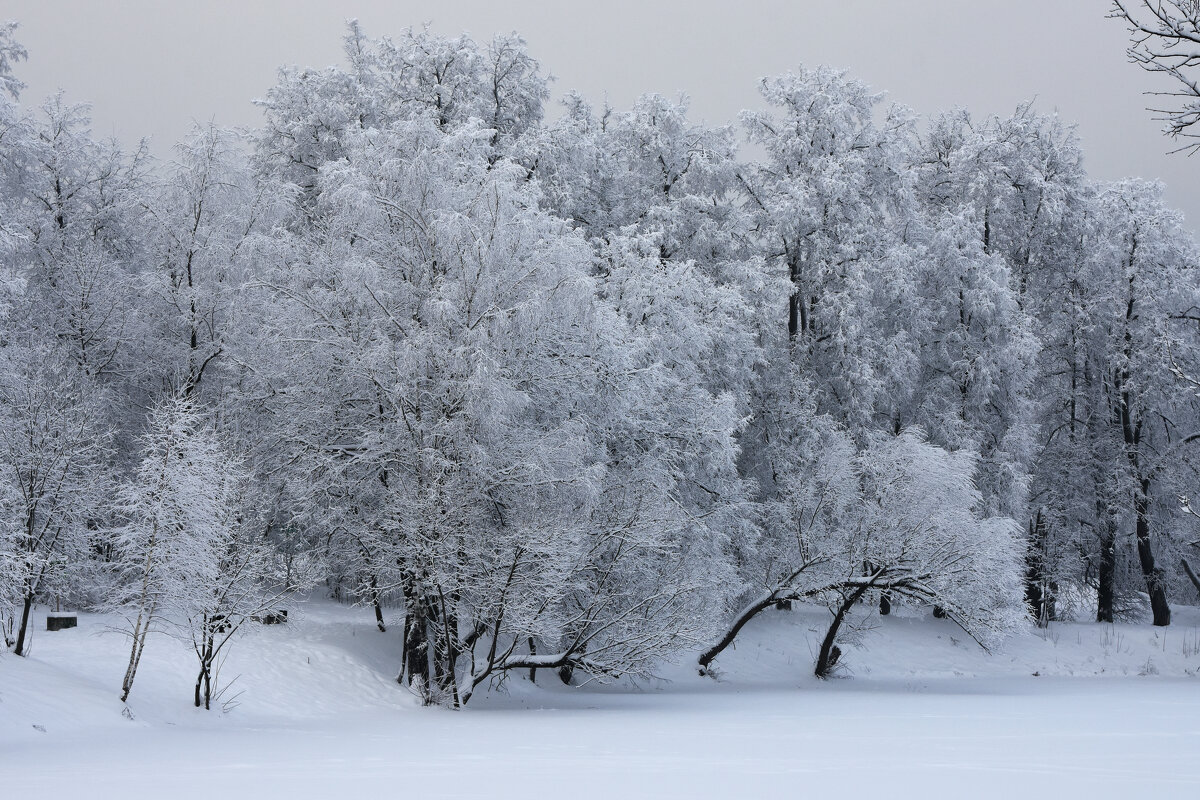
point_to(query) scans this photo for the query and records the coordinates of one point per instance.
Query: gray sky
(151, 67)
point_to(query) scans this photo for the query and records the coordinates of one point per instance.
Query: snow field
(317, 714)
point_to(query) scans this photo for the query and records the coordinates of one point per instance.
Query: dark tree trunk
(532, 652)
(827, 657)
(1106, 573)
(378, 608)
(208, 654)
(885, 598)
(793, 315)
(939, 612)
(1153, 575)
(416, 649)
(747, 614)
(201, 678)
(446, 652)
(1039, 594)
(1106, 577)
(23, 631)
(1036, 598)
(199, 685)
(566, 672)
(402, 675)
(204, 687)
(1131, 431)
(1187, 569)
(794, 300)
(781, 594)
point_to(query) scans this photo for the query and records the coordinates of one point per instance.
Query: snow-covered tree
(652, 182)
(177, 505)
(243, 581)
(75, 205)
(1144, 287)
(901, 516)
(192, 558)
(1003, 203)
(53, 446)
(206, 213)
(311, 114)
(493, 441)
(828, 199)
(580, 394)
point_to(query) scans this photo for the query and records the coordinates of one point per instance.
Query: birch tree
(175, 507)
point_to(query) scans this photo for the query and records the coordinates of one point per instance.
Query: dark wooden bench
(58, 622)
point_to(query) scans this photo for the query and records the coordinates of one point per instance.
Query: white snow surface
(920, 711)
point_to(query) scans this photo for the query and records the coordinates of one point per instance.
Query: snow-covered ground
(1113, 711)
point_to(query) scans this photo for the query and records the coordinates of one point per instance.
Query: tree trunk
(23, 631)
(146, 608)
(794, 299)
(772, 598)
(416, 650)
(1153, 575)
(445, 649)
(1038, 593)
(1107, 575)
(204, 678)
(378, 608)
(204, 686)
(565, 673)
(403, 673)
(731, 633)
(885, 598)
(1187, 569)
(1131, 431)
(829, 654)
(135, 654)
(208, 654)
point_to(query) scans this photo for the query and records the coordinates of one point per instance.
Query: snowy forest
(582, 389)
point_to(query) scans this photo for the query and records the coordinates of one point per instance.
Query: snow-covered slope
(781, 648)
(326, 661)
(1114, 711)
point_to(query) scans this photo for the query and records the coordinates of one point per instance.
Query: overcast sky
(151, 67)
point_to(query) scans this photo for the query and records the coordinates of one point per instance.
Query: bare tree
(1165, 37)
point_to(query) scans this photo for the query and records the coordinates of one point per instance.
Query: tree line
(579, 391)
